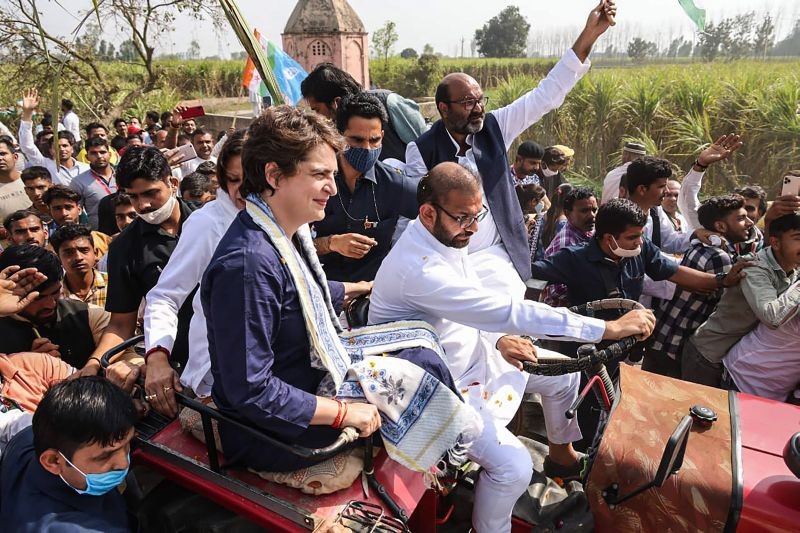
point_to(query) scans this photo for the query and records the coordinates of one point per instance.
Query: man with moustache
(12, 190)
(97, 182)
(480, 141)
(580, 206)
(68, 167)
(25, 227)
(68, 329)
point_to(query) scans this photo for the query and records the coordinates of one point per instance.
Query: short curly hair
(717, 208)
(283, 135)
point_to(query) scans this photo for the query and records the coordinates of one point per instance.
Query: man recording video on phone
(202, 141)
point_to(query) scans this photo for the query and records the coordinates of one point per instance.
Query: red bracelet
(339, 415)
(156, 349)
(337, 424)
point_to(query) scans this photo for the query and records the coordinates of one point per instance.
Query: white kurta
(611, 183)
(422, 279)
(200, 236)
(513, 120)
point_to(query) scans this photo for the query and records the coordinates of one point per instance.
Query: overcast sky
(443, 23)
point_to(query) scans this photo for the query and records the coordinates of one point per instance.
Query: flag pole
(253, 48)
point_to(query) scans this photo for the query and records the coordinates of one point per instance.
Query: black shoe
(571, 472)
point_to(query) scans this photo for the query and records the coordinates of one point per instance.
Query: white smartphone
(791, 185)
(181, 154)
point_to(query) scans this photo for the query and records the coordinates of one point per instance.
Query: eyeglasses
(465, 221)
(470, 103)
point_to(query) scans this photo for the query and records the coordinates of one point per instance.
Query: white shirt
(72, 123)
(11, 423)
(766, 362)
(187, 167)
(61, 175)
(611, 183)
(689, 199)
(513, 119)
(672, 240)
(422, 279)
(200, 236)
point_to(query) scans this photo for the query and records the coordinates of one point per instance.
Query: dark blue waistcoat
(488, 147)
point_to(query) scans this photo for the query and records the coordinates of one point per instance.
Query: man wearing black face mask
(361, 219)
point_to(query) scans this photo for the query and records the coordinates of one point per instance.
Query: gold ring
(167, 389)
(150, 397)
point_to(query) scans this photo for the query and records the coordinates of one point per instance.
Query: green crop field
(674, 109)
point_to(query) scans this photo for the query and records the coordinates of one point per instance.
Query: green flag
(697, 15)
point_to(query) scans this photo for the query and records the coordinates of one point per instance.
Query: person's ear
(272, 173)
(641, 190)
(720, 227)
(335, 104)
(427, 213)
(442, 107)
(52, 461)
(174, 183)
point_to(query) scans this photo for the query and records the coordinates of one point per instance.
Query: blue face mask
(99, 484)
(362, 159)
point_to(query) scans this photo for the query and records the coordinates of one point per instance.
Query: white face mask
(160, 215)
(623, 253)
(539, 208)
(548, 173)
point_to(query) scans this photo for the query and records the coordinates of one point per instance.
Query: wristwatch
(721, 279)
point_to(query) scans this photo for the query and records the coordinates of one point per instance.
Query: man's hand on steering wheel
(160, 384)
(516, 349)
(123, 374)
(639, 323)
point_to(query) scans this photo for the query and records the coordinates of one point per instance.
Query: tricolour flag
(697, 15)
(288, 72)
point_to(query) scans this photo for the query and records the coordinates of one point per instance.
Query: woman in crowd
(552, 222)
(273, 338)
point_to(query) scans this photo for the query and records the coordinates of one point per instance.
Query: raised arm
(30, 101)
(689, 197)
(551, 91)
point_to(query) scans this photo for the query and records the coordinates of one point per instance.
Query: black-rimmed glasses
(465, 221)
(470, 103)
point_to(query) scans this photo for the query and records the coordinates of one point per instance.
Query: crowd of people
(236, 265)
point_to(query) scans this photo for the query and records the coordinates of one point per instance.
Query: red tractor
(668, 456)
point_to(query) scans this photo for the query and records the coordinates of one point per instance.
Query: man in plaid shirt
(580, 206)
(676, 319)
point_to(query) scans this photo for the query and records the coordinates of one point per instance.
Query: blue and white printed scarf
(424, 424)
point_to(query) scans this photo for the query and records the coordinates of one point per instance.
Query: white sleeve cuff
(571, 61)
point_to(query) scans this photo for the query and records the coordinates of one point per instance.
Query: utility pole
(462, 46)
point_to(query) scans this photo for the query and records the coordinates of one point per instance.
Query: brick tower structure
(328, 31)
